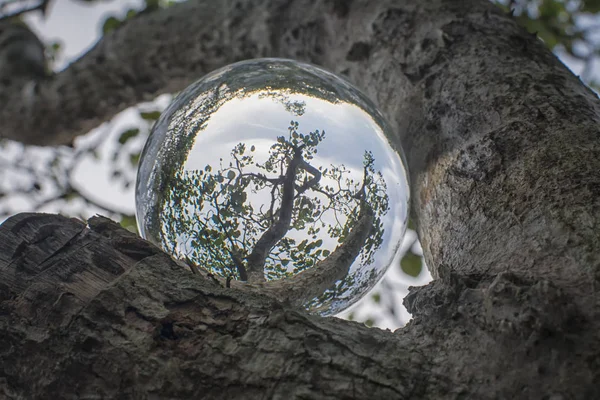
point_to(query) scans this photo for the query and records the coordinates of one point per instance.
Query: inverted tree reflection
(267, 215)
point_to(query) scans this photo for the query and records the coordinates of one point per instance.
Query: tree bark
(503, 148)
(99, 313)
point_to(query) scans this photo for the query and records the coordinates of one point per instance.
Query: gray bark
(503, 146)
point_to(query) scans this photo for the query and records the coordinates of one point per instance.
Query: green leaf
(152, 4)
(134, 159)
(302, 245)
(369, 322)
(376, 298)
(551, 9)
(129, 222)
(70, 196)
(131, 13)
(230, 175)
(411, 264)
(591, 6)
(326, 253)
(150, 115)
(128, 134)
(110, 24)
(252, 148)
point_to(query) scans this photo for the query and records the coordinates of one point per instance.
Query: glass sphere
(267, 169)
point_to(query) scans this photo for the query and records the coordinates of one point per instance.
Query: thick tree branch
(256, 259)
(101, 312)
(150, 55)
(63, 279)
(503, 152)
(300, 289)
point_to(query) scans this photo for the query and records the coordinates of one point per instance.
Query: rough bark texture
(98, 313)
(503, 146)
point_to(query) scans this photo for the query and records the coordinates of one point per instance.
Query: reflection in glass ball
(269, 170)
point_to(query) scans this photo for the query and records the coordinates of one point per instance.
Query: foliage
(411, 264)
(211, 218)
(112, 22)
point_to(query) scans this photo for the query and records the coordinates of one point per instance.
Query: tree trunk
(503, 146)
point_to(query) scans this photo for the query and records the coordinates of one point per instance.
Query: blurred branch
(42, 6)
(57, 173)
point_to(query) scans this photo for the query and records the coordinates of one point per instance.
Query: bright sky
(77, 24)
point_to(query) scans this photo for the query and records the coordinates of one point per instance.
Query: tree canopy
(209, 217)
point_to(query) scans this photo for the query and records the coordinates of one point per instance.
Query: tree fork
(256, 259)
(503, 151)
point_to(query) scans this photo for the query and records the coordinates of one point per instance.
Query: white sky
(77, 24)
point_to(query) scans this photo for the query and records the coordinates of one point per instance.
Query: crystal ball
(272, 170)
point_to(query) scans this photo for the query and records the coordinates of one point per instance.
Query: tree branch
(41, 6)
(299, 289)
(276, 232)
(312, 182)
(503, 153)
(92, 335)
(113, 306)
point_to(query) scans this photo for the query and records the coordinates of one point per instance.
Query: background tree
(210, 219)
(503, 152)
